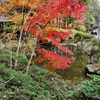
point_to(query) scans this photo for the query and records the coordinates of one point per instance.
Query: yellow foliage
(70, 25)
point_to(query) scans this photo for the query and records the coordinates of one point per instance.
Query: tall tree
(42, 15)
(38, 26)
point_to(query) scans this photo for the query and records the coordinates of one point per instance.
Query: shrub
(87, 90)
(42, 85)
(7, 56)
(80, 28)
(96, 41)
(82, 35)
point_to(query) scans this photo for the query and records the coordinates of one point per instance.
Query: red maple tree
(38, 26)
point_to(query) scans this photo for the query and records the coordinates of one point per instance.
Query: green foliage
(96, 41)
(91, 15)
(89, 90)
(8, 26)
(69, 20)
(80, 61)
(89, 18)
(80, 36)
(80, 28)
(40, 85)
(7, 56)
(44, 85)
(96, 48)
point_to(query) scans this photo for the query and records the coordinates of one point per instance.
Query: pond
(75, 72)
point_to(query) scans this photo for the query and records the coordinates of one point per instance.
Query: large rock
(91, 69)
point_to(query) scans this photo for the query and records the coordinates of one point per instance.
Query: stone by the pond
(91, 69)
(98, 72)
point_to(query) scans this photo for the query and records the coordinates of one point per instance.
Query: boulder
(91, 69)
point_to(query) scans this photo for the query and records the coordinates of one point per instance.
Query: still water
(75, 72)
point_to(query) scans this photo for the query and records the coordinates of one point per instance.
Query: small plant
(80, 28)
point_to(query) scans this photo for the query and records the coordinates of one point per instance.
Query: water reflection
(75, 72)
(76, 75)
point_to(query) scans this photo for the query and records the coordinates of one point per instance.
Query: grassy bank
(41, 84)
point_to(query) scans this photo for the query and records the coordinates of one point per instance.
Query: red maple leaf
(48, 11)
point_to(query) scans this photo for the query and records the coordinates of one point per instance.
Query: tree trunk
(1, 27)
(33, 53)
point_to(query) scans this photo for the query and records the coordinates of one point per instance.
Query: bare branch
(6, 82)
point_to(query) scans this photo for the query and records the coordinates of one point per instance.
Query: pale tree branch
(6, 82)
(19, 43)
(33, 53)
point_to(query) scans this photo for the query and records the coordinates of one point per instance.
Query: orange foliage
(13, 9)
(42, 61)
(2, 10)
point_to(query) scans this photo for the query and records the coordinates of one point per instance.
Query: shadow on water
(76, 71)
(74, 74)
